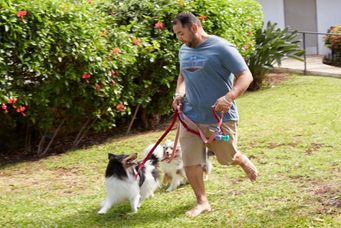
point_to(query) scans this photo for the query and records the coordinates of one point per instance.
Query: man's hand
(177, 101)
(179, 95)
(223, 104)
(243, 80)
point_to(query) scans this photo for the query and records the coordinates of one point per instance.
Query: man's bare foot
(248, 167)
(197, 210)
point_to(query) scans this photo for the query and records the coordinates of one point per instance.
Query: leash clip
(219, 135)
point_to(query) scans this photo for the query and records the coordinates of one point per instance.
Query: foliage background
(272, 45)
(68, 67)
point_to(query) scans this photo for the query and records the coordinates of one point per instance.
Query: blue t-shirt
(209, 71)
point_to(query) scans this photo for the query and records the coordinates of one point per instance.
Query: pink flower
(120, 107)
(98, 87)
(21, 13)
(12, 101)
(86, 76)
(202, 18)
(116, 51)
(21, 109)
(4, 107)
(136, 41)
(159, 26)
(113, 82)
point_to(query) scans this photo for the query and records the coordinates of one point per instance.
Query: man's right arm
(180, 85)
(179, 91)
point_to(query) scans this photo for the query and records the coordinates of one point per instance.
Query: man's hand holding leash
(224, 103)
(177, 100)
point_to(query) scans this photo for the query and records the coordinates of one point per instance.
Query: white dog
(174, 172)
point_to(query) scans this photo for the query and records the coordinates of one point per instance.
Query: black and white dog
(124, 182)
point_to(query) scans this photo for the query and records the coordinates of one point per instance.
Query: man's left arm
(242, 82)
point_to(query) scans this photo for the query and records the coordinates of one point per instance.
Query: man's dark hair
(186, 19)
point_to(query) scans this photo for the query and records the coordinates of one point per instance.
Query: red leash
(175, 117)
(199, 133)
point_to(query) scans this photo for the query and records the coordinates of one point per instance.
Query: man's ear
(195, 28)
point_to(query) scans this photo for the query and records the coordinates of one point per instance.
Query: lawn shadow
(121, 216)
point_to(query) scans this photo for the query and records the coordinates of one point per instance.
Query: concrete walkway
(315, 66)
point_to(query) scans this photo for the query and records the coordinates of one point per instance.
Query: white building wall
(328, 14)
(274, 11)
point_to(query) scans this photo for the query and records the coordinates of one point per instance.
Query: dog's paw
(170, 189)
(134, 210)
(101, 212)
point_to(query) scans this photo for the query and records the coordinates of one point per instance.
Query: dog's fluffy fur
(207, 167)
(174, 172)
(122, 183)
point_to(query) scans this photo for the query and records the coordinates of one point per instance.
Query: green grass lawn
(292, 132)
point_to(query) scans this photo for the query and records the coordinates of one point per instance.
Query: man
(212, 74)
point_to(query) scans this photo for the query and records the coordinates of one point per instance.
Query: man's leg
(193, 157)
(195, 178)
(248, 167)
(227, 152)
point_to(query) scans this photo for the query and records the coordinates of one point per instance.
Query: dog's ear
(111, 156)
(129, 160)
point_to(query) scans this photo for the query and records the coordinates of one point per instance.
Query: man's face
(185, 35)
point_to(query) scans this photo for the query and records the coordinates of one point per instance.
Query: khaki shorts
(194, 149)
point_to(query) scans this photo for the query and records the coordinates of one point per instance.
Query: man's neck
(201, 38)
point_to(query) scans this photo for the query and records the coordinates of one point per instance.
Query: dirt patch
(309, 151)
(312, 148)
(67, 171)
(277, 78)
(59, 181)
(275, 145)
(326, 196)
(329, 196)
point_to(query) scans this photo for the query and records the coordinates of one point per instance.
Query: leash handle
(219, 119)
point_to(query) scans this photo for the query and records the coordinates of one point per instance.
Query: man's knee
(224, 161)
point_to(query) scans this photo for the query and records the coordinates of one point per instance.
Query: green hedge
(73, 65)
(152, 81)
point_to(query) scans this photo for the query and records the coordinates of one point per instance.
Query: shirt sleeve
(232, 59)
